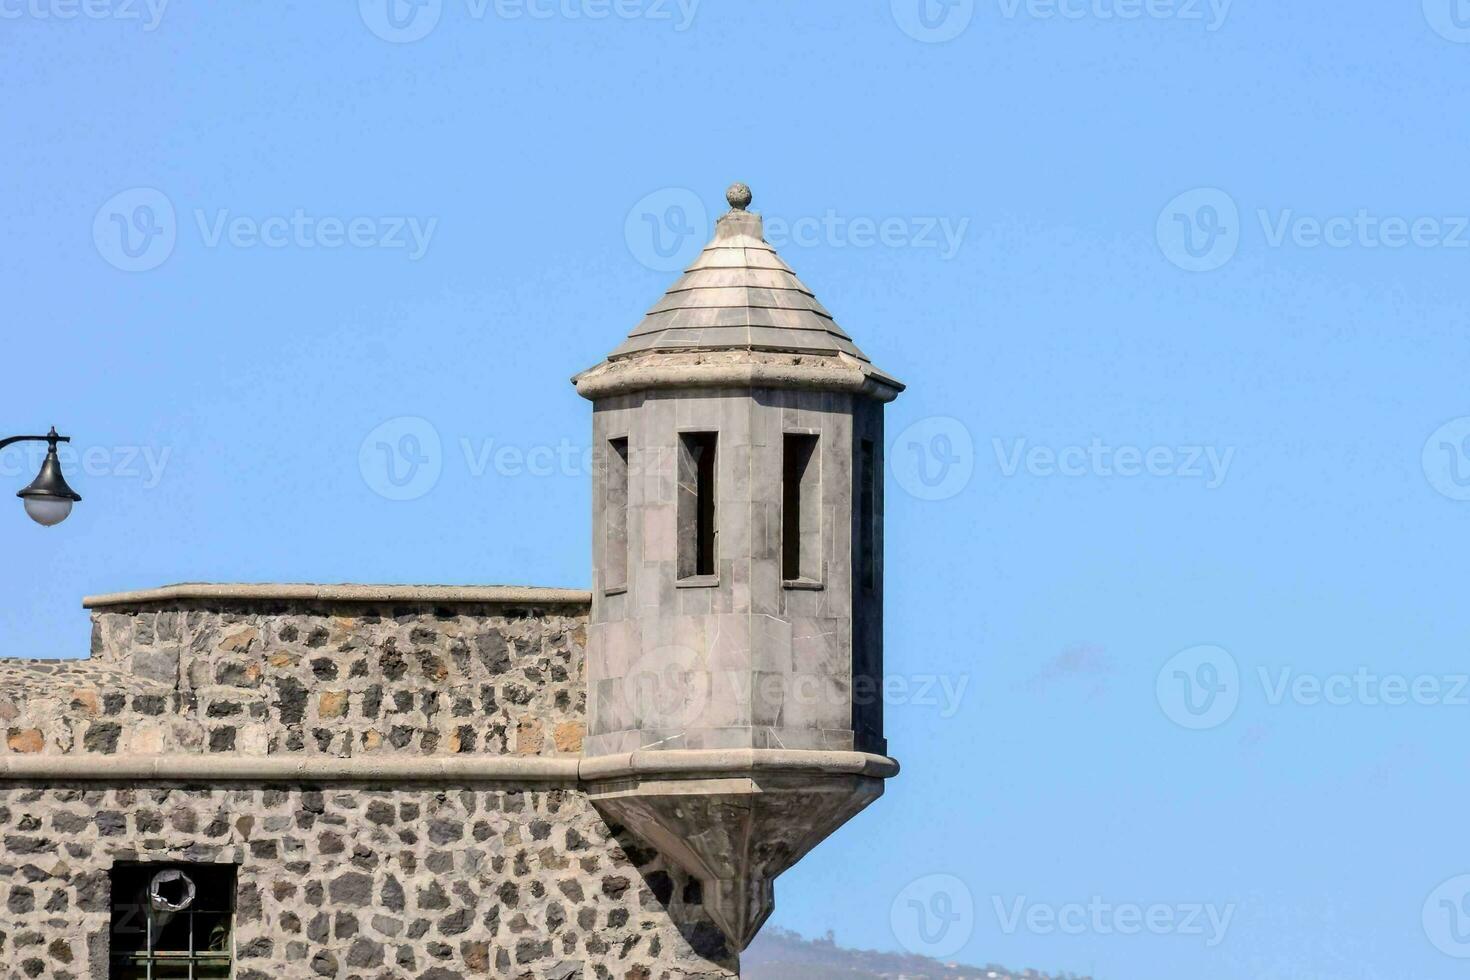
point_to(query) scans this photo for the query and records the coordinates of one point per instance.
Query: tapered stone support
(736, 833)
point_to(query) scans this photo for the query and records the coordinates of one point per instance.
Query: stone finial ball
(739, 196)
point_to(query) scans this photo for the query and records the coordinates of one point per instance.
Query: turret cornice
(736, 369)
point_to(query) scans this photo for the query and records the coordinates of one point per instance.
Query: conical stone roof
(739, 296)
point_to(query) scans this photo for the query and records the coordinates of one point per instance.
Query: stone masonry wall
(378, 884)
(370, 882)
(342, 679)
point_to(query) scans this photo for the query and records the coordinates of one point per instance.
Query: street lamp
(48, 499)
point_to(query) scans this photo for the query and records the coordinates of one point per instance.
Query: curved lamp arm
(51, 437)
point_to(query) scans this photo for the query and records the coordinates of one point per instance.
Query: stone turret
(735, 649)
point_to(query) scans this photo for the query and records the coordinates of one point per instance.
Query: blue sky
(1178, 289)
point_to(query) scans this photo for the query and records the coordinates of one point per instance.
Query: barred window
(172, 921)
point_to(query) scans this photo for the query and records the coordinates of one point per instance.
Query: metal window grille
(168, 926)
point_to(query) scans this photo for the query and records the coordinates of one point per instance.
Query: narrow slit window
(801, 501)
(867, 513)
(615, 517)
(696, 507)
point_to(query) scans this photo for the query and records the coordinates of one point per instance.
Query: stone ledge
(484, 594)
(716, 762)
(735, 369)
(678, 764)
(283, 769)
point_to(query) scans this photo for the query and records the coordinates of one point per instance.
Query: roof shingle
(738, 295)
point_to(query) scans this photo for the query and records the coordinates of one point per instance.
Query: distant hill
(779, 954)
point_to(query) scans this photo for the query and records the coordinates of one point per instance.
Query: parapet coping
(492, 594)
(739, 369)
(714, 762)
(452, 770)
